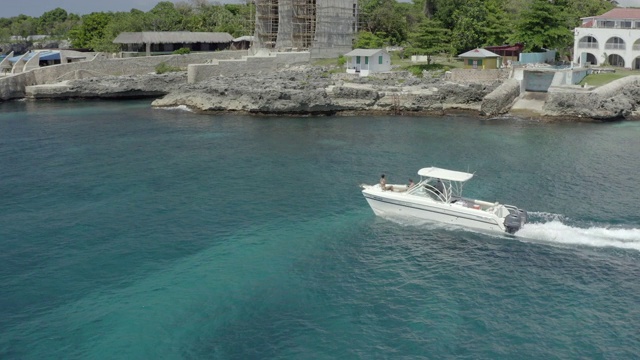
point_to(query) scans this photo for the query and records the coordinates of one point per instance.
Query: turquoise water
(129, 232)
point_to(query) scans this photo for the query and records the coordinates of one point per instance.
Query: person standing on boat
(439, 186)
(383, 184)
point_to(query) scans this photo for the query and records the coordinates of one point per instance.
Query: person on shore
(383, 184)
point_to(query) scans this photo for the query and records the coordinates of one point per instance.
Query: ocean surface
(128, 232)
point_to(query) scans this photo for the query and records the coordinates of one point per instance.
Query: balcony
(587, 45)
(614, 46)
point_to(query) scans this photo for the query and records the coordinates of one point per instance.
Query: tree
(544, 25)
(584, 8)
(386, 17)
(444, 10)
(91, 30)
(5, 35)
(430, 39)
(48, 21)
(367, 40)
(498, 24)
(164, 17)
(470, 21)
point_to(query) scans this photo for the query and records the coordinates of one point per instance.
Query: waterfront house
(612, 38)
(164, 42)
(508, 53)
(480, 59)
(367, 61)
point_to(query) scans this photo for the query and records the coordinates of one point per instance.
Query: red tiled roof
(620, 14)
(516, 47)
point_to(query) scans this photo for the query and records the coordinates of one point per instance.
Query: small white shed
(367, 61)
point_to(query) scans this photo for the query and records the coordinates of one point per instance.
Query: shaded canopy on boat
(444, 174)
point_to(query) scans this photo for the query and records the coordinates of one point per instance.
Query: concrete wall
(476, 75)
(386, 76)
(537, 58)
(568, 77)
(12, 87)
(537, 80)
(249, 65)
(499, 100)
(577, 76)
(542, 80)
(419, 58)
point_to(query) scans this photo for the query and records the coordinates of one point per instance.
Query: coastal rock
(294, 90)
(616, 100)
(151, 85)
(17, 48)
(311, 90)
(499, 100)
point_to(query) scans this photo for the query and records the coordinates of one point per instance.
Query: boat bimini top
(442, 184)
(444, 174)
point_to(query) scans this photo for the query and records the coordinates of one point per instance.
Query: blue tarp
(44, 56)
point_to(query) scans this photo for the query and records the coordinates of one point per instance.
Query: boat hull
(404, 206)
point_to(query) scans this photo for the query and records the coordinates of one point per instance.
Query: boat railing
(434, 193)
(512, 209)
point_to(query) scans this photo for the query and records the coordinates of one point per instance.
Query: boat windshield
(438, 189)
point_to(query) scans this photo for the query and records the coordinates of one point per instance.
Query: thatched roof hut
(171, 40)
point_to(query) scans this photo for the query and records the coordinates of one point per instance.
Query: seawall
(13, 86)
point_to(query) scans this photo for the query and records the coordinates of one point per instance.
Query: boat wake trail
(556, 231)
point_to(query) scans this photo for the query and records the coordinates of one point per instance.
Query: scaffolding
(267, 23)
(315, 25)
(304, 23)
(336, 26)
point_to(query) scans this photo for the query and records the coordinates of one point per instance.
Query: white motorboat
(438, 197)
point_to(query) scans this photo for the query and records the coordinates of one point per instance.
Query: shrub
(417, 69)
(342, 60)
(164, 68)
(182, 51)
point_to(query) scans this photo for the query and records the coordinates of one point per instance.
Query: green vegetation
(97, 30)
(450, 27)
(423, 27)
(182, 51)
(164, 68)
(605, 78)
(417, 69)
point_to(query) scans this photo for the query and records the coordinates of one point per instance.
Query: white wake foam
(179, 107)
(558, 232)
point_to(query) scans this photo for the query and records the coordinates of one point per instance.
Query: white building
(613, 36)
(367, 61)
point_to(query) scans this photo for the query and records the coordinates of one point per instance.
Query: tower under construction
(326, 28)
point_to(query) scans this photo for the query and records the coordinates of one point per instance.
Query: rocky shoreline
(309, 90)
(295, 91)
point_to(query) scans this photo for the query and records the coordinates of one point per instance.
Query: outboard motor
(515, 220)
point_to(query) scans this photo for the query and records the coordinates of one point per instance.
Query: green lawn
(605, 78)
(325, 62)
